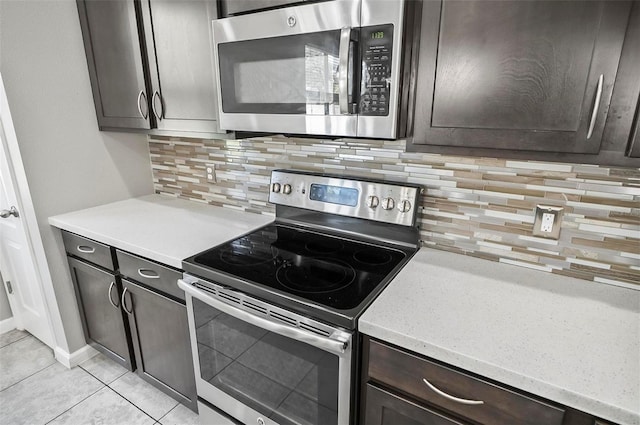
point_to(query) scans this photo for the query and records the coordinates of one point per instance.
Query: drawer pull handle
(149, 274)
(450, 397)
(110, 298)
(86, 249)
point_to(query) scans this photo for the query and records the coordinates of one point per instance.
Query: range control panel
(378, 201)
(376, 44)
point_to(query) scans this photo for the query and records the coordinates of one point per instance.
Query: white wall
(69, 164)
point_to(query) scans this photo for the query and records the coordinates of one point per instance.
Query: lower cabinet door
(386, 408)
(104, 324)
(161, 343)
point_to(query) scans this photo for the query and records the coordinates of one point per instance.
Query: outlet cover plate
(543, 222)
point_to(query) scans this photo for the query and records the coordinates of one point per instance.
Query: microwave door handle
(343, 75)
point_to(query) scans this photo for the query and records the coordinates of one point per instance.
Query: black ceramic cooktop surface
(327, 270)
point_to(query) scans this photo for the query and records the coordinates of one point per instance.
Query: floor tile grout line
(27, 377)
(106, 383)
(19, 339)
(134, 405)
(165, 415)
(90, 395)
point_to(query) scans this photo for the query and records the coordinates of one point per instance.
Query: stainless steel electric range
(273, 314)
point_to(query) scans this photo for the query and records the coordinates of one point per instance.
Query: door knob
(11, 211)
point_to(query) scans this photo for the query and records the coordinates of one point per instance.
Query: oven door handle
(328, 344)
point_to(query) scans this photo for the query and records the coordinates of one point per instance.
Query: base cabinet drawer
(154, 275)
(98, 294)
(161, 343)
(448, 390)
(87, 249)
(386, 408)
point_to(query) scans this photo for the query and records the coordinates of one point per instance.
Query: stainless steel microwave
(332, 68)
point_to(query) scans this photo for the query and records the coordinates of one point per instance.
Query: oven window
(296, 74)
(286, 380)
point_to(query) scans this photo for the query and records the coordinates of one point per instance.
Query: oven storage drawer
(148, 273)
(88, 249)
(406, 372)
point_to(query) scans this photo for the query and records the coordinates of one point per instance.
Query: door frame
(34, 240)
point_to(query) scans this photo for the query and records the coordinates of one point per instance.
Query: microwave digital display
(375, 86)
(334, 194)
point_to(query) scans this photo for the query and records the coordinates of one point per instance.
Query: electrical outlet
(547, 222)
(211, 173)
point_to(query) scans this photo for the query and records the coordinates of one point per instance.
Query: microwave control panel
(377, 44)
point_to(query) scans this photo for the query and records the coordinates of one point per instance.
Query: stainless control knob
(373, 201)
(388, 203)
(286, 189)
(275, 187)
(404, 206)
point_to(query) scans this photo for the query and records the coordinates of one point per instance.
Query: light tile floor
(35, 390)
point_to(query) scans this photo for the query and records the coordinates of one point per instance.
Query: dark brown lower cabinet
(386, 408)
(404, 388)
(98, 293)
(161, 344)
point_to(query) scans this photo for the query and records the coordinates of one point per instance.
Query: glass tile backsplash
(482, 207)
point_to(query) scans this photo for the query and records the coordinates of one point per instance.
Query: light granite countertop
(568, 340)
(160, 227)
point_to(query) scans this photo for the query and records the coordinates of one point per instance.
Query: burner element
(316, 275)
(374, 257)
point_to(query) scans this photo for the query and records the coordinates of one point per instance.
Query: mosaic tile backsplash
(482, 207)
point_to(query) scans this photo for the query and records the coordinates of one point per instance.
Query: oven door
(265, 365)
(288, 70)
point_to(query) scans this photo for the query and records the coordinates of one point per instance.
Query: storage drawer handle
(596, 107)
(110, 297)
(86, 249)
(450, 397)
(124, 305)
(149, 274)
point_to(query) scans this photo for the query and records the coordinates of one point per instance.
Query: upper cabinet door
(517, 75)
(110, 33)
(180, 50)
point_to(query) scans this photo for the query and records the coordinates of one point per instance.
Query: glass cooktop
(324, 269)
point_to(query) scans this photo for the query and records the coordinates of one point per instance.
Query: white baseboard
(75, 358)
(7, 324)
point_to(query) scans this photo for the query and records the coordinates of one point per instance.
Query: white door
(16, 256)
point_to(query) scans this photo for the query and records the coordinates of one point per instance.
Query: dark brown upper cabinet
(528, 79)
(239, 7)
(151, 64)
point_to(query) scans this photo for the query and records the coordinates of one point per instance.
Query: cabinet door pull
(450, 397)
(124, 305)
(140, 96)
(596, 107)
(86, 249)
(148, 274)
(110, 297)
(156, 95)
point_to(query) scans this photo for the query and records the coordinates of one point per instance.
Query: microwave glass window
(296, 74)
(284, 379)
